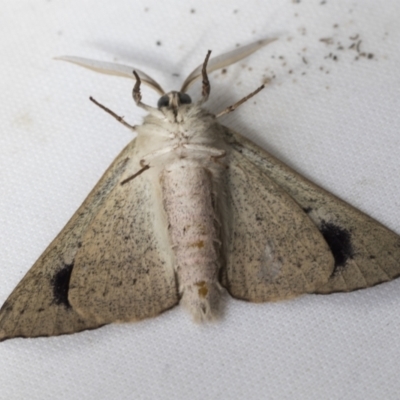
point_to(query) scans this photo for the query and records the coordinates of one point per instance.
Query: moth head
(173, 100)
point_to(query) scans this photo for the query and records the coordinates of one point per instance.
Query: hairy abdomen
(187, 190)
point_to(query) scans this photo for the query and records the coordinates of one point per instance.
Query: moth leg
(157, 153)
(137, 95)
(144, 168)
(112, 113)
(216, 159)
(206, 83)
(215, 154)
(206, 149)
(145, 164)
(233, 107)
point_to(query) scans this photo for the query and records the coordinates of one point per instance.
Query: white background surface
(336, 122)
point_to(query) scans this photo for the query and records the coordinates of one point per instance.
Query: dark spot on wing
(339, 241)
(307, 210)
(60, 283)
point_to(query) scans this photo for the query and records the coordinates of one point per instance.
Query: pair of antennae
(214, 64)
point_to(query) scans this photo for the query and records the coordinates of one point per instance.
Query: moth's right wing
(364, 251)
(60, 293)
(273, 251)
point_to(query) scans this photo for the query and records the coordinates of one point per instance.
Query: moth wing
(39, 305)
(124, 269)
(273, 250)
(365, 252)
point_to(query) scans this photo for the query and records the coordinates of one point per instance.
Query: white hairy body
(185, 155)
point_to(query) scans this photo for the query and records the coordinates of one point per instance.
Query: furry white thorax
(192, 133)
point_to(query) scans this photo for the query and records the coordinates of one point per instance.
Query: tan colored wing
(274, 251)
(124, 269)
(39, 305)
(365, 252)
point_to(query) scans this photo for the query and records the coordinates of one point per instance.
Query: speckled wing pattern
(284, 236)
(124, 270)
(40, 304)
(365, 253)
(274, 250)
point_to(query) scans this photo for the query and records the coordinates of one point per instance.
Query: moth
(189, 209)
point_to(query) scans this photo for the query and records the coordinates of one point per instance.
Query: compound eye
(163, 102)
(184, 98)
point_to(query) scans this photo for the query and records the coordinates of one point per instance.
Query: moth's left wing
(107, 265)
(39, 306)
(365, 252)
(123, 271)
